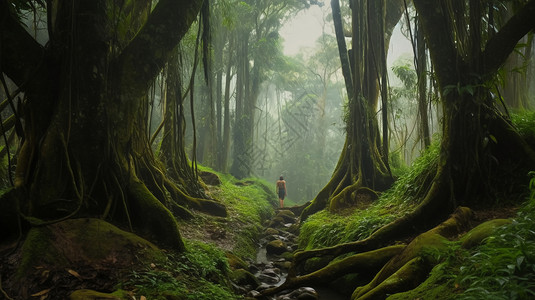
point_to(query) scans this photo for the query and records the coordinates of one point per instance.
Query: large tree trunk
(478, 145)
(85, 149)
(362, 164)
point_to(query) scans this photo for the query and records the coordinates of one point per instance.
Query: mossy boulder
(271, 231)
(85, 241)
(210, 178)
(286, 215)
(276, 247)
(243, 277)
(235, 262)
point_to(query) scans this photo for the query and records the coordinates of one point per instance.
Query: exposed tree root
(434, 208)
(367, 262)
(403, 267)
(410, 268)
(407, 277)
(208, 206)
(160, 185)
(151, 216)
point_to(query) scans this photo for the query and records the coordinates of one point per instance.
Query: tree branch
(20, 54)
(165, 27)
(503, 43)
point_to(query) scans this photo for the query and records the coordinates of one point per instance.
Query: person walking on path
(281, 190)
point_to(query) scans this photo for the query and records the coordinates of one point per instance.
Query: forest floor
(135, 267)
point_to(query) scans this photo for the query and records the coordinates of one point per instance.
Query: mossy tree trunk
(480, 149)
(363, 162)
(85, 149)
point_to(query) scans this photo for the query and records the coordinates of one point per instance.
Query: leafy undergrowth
(249, 202)
(67, 261)
(325, 229)
(502, 267)
(200, 273)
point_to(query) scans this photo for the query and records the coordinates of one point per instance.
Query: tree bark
(85, 148)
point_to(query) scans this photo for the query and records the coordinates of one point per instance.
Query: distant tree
(85, 150)
(257, 50)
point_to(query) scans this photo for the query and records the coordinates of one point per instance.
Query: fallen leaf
(75, 274)
(41, 293)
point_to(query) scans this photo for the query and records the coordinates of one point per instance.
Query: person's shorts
(281, 194)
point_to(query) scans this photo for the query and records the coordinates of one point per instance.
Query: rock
(475, 236)
(271, 231)
(253, 294)
(272, 272)
(277, 221)
(294, 229)
(235, 262)
(268, 278)
(253, 268)
(243, 277)
(276, 247)
(305, 293)
(272, 237)
(210, 178)
(264, 286)
(307, 296)
(286, 215)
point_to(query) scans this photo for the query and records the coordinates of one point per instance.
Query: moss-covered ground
(499, 266)
(101, 261)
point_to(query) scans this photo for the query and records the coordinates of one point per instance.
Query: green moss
(525, 123)
(325, 229)
(249, 205)
(201, 272)
(243, 277)
(84, 241)
(475, 236)
(38, 250)
(153, 217)
(437, 287)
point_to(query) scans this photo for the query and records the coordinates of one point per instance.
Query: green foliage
(407, 190)
(325, 229)
(525, 123)
(198, 274)
(249, 202)
(503, 267)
